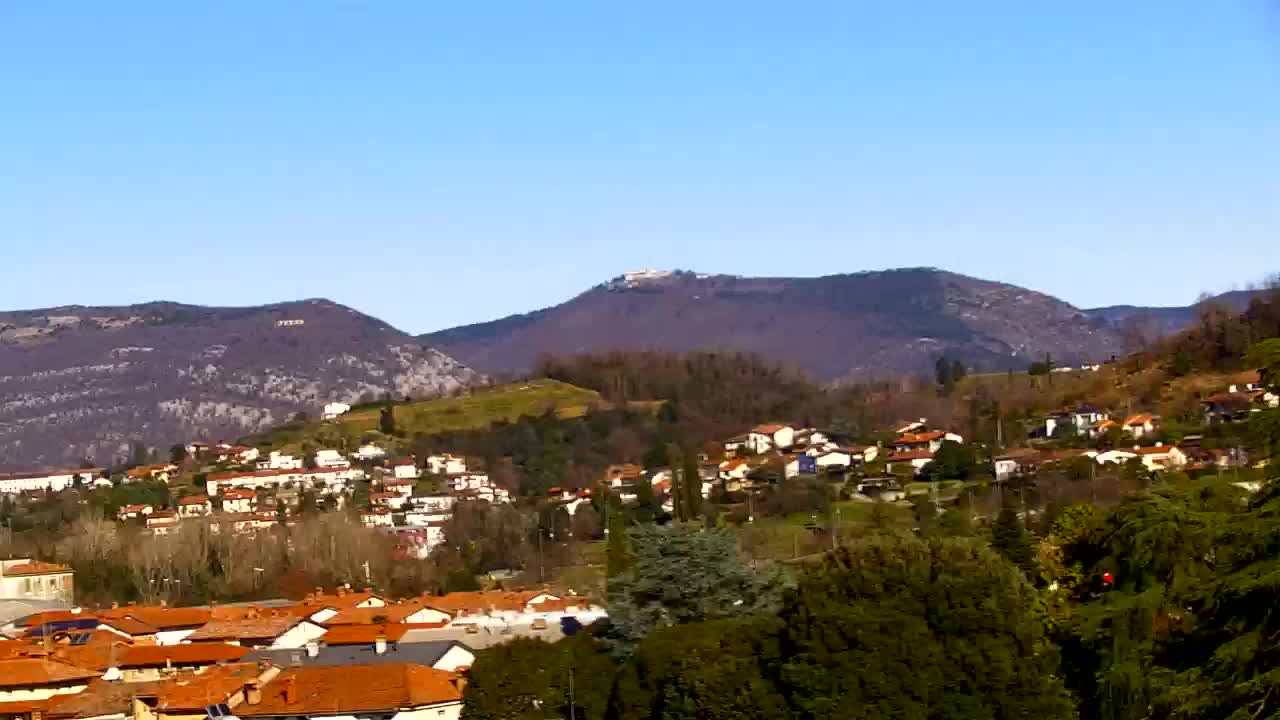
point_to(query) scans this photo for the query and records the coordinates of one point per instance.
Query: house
(478, 486)
(911, 426)
(912, 460)
(193, 506)
(162, 522)
(158, 625)
(277, 460)
(133, 512)
(260, 631)
(1016, 462)
(370, 452)
(505, 613)
(735, 445)
(334, 410)
(929, 441)
(403, 691)
(25, 680)
(376, 518)
(616, 476)
(1139, 426)
(239, 500)
(413, 612)
(1075, 421)
(389, 500)
(800, 465)
(433, 503)
(861, 453)
(144, 663)
(1161, 457)
(330, 459)
(1115, 457)
(56, 481)
(161, 473)
(770, 436)
(1228, 407)
(445, 464)
(400, 647)
(236, 453)
(27, 579)
(404, 468)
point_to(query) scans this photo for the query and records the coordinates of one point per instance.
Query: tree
(942, 373)
(585, 523)
(681, 574)
(528, 679)
(952, 461)
(387, 420)
(1010, 538)
(902, 627)
(617, 550)
(177, 454)
(691, 484)
(1265, 358)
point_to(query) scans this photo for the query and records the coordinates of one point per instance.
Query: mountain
(834, 327)
(1165, 321)
(84, 382)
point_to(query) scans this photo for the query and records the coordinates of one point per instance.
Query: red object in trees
(1106, 578)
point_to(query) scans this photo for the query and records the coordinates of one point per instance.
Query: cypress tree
(618, 554)
(1011, 539)
(692, 486)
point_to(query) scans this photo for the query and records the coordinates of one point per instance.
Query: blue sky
(442, 163)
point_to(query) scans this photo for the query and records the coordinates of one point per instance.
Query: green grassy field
(478, 409)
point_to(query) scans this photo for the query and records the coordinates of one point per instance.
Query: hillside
(477, 409)
(1164, 321)
(833, 327)
(84, 382)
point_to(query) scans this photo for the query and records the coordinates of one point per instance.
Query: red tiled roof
(194, 500)
(186, 654)
(363, 634)
(32, 672)
(262, 628)
(198, 691)
(353, 689)
(102, 697)
(481, 600)
(375, 615)
(1141, 419)
(768, 428)
(911, 455)
(163, 618)
(917, 438)
(35, 567)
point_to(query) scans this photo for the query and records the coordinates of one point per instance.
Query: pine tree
(1011, 539)
(387, 420)
(692, 486)
(617, 553)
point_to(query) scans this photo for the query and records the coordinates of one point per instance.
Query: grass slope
(479, 409)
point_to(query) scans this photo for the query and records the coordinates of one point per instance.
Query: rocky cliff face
(81, 382)
(835, 327)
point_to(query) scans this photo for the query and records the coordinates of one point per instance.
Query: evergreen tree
(692, 485)
(1010, 538)
(387, 420)
(617, 552)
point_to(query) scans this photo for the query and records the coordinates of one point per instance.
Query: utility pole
(573, 701)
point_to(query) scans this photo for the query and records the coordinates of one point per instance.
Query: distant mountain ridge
(834, 327)
(83, 382)
(1166, 321)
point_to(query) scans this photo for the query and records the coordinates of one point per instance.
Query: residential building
(446, 464)
(929, 441)
(27, 579)
(193, 506)
(1139, 426)
(404, 468)
(377, 518)
(162, 522)
(770, 436)
(133, 512)
(912, 460)
(36, 679)
(1015, 462)
(161, 473)
(400, 692)
(239, 500)
(370, 452)
(330, 459)
(277, 460)
(334, 410)
(261, 631)
(55, 481)
(358, 645)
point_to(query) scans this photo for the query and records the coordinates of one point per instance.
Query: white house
(916, 460)
(330, 459)
(239, 500)
(332, 411)
(133, 512)
(370, 452)
(27, 579)
(1162, 457)
(1139, 426)
(833, 459)
(403, 487)
(446, 464)
(162, 522)
(433, 503)
(930, 441)
(32, 680)
(404, 469)
(58, 480)
(376, 518)
(770, 436)
(1116, 457)
(277, 460)
(1076, 421)
(194, 506)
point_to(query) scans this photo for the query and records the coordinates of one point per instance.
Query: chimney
(380, 644)
(290, 690)
(253, 692)
(313, 648)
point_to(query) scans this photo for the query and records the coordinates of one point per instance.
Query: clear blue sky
(441, 163)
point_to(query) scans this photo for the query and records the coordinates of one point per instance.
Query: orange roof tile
(481, 600)
(262, 628)
(162, 618)
(353, 689)
(363, 634)
(395, 613)
(911, 455)
(34, 672)
(102, 697)
(768, 428)
(917, 438)
(1141, 419)
(35, 567)
(186, 654)
(198, 691)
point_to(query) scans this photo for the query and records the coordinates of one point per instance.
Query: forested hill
(831, 327)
